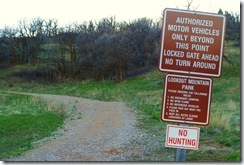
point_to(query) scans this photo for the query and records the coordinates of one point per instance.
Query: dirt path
(104, 132)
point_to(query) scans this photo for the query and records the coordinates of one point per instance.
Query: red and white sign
(192, 42)
(186, 99)
(182, 137)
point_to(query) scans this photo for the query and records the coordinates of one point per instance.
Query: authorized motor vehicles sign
(186, 99)
(192, 42)
(182, 137)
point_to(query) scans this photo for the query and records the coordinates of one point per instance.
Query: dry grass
(223, 115)
(220, 120)
(56, 106)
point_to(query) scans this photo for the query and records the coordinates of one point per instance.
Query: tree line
(233, 25)
(103, 50)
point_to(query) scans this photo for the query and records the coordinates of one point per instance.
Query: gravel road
(96, 131)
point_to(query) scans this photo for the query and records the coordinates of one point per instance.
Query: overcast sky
(69, 11)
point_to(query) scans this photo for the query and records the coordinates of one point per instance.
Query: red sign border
(185, 127)
(183, 121)
(161, 69)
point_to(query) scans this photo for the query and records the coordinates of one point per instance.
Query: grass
(24, 120)
(219, 141)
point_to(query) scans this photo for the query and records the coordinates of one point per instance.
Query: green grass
(24, 120)
(220, 140)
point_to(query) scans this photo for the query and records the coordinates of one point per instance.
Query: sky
(70, 11)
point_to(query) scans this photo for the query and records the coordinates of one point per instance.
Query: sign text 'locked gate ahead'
(192, 43)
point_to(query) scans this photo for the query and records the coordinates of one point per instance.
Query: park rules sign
(192, 42)
(186, 99)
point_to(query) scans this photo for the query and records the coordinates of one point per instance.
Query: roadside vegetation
(25, 120)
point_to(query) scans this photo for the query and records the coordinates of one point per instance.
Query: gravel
(94, 131)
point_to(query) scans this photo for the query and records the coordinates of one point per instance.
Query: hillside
(219, 141)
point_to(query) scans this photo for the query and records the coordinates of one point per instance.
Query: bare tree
(31, 36)
(67, 44)
(189, 5)
(8, 51)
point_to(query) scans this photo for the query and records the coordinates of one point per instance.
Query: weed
(233, 156)
(24, 120)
